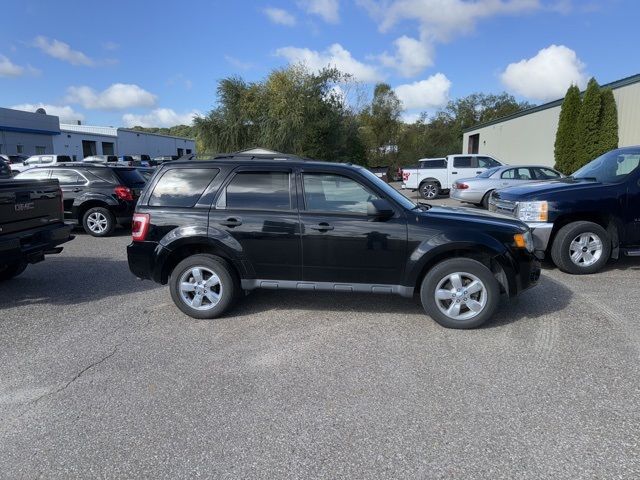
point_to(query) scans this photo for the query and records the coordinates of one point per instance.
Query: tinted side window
(326, 192)
(181, 187)
(463, 162)
(545, 173)
(430, 164)
(260, 191)
(67, 177)
(487, 162)
(35, 173)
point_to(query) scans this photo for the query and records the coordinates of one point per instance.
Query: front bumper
(541, 235)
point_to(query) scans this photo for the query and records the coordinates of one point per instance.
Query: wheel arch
(612, 225)
(81, 209)
(182, 248)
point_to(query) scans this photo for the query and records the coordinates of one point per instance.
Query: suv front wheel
(202, 286)
(460, 293)
(581, 248)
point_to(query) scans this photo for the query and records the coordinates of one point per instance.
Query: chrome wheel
(461, 296)
(585, 249)
(97, 222)
(429, 190)
(200, 288)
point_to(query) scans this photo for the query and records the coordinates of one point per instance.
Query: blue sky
(157, 63)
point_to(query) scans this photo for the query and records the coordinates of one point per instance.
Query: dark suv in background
(213, 228)
(97, 196)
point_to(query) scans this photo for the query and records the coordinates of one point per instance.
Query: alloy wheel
(97, 222)
(461, 296)
(200, 288)
(585, 249)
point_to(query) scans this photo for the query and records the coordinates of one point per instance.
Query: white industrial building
(528, 137)
(79, 141)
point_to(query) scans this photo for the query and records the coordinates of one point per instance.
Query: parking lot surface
(102, 376)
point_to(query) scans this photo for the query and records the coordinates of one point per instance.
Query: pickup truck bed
(31, 223)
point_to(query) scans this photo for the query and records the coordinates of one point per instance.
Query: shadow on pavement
(547, 298)
(70, 281)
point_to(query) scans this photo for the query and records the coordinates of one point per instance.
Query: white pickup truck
(434, 176)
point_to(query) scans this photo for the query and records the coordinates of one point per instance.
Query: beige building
(527, 137)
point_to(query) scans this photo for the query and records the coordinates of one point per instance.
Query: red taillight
(460, 186)
(140, 226)
(405, 176)
(123, 193)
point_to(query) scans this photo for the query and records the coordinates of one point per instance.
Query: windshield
(612, 167)
(488, 173)
(388, 189)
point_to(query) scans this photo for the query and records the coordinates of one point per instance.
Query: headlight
(533, 211)
(524, 240)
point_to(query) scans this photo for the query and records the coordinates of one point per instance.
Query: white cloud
(65, 112)
(412, 56)
(280, 16)
(547, 75)
(326, 9)
(10, 69)
(335, 56)
(117, 97)
(160, 117)
(62, 51)
(237, 63)
(438, 21)
(425, 94)
(411, 117)
(441, 19)
(111, 46)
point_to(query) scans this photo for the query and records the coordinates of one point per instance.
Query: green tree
(565, 144)
(380, 126)
(587, 126)
(608, 124)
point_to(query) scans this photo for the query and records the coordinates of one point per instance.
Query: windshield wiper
(594, 179)
(424, 205)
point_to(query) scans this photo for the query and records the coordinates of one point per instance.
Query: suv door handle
(454, 173)
(231, 222)
(322, 227)
(479, 172)
(76, 190)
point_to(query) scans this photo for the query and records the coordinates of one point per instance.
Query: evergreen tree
(565, 145)
(587, 126)
(608, 122)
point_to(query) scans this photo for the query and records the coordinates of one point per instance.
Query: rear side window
(487, 162)
(64, 158)
(431, 164)
(181, 187)
(67, 177)
(259, 191)
(463, 162)
(35, 173)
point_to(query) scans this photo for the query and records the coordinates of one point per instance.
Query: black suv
(212, 228)
(98, 196)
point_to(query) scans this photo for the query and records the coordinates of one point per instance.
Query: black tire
(485, 200)
(488, 296)
(429, 190)
(98, 222)
(561, 249)
(7, 272)
(228, 287)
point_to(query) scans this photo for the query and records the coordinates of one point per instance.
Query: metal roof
(613, 86)
(90, 129)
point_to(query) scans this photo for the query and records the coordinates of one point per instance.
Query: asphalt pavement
(102, 377)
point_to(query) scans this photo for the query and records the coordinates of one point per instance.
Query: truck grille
(505, 207)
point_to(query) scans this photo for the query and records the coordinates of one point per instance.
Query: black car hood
(474, 215)
(544, 189)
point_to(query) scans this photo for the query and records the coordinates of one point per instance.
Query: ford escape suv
(212, 229)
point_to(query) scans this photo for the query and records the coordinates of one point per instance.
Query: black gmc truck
(212, 229)
(583, 220)
(31, 224)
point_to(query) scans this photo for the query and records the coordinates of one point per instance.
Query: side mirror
(380, 208)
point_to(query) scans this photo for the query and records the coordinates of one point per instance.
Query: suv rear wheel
(202, 286)
(98, 222)
(581, 248)
(429, 190)
(460, 293)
